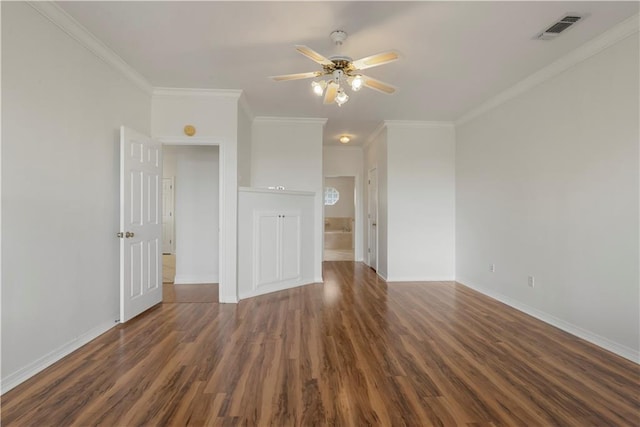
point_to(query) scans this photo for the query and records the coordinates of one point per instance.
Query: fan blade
(297, 76)
(313, 55)
(374, 84)
(330, 94)
(375, 60)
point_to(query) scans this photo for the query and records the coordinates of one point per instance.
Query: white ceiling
(455, 55)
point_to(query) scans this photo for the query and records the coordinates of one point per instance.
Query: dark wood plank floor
(352, 352)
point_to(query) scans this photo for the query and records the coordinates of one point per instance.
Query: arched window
(331, 196)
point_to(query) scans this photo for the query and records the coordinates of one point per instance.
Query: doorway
(339, 218)
(191, 207)
(372, 223)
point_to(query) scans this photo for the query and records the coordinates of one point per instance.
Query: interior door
(140, 223)
(167, 216)
(373, 219)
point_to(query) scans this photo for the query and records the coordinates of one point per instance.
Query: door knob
(128, 234)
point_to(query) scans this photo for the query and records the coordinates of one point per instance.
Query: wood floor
(338, 255)
(352, 352)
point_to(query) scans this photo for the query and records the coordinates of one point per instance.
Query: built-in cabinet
(275, 240)
(277, 247)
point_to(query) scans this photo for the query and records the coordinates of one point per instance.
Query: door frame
(226, 245)
(358, 253)
(173, 209)
(370, 230)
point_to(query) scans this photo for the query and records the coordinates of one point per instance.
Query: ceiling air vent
(561, 25)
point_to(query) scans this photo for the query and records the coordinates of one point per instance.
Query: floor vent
(553, 31)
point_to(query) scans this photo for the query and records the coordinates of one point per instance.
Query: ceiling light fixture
(344, 139)
(341, 97)
(341, 72)
(318, 87)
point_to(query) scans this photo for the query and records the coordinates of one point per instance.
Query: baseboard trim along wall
(620, 350)
(400, 279)
(195, 280)
(23, 374)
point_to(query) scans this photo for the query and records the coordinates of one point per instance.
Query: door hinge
(369, 250)
(120, 234)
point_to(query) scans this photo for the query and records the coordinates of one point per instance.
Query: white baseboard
(420, 279)
(275, 287)
(23, 374)
(187, 279)
(228, 299)
(600, 341)
(318, 280)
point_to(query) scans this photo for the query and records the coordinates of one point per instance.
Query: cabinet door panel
(266, 249)
(290, 246)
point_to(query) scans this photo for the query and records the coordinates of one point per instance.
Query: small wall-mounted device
(189, 130)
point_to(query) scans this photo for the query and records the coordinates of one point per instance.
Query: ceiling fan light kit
(342, 71)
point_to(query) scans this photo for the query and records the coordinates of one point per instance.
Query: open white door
(140, 223)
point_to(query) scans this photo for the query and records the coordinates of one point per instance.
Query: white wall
(169, 161)
(345, 206)
(244, 145)
(375, 157)
(288, 152)
(197, 219)
(349, 161)
(548, 186)
(214, 114)
(60, 190)
(421, 201)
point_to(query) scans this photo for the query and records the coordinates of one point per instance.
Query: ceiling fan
(342, 69)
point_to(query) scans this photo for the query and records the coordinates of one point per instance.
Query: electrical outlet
(492, 268)
(531, 281)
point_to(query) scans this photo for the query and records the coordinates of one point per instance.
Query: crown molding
(373, 135)
(620, 32)
(176, 91)
(282, 120)
(244, 104)
(418, 124)
(75, 30)
(343, 147)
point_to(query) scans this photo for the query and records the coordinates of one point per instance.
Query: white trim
(587, 50)
(401, 279)
(78, 32)
(418, 124)
(244, 105)
(186, 140)
(619, 349)
(176, 91)
(373, 135)
(318, 280)
(284, 120)
(272, 191)
(187, 279)
(23, 374)
(343, 147)
(276, 287)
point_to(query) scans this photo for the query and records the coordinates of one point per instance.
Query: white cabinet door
(266, 248)
(276, 247)
(290, 246)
